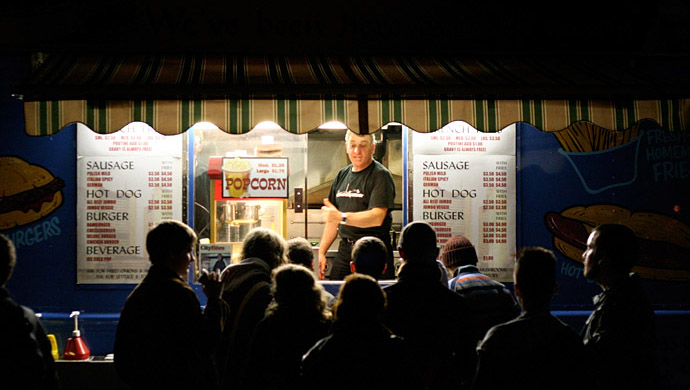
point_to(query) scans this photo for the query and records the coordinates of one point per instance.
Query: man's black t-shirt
(364, 190)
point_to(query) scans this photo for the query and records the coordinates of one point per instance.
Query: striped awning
(301, 93)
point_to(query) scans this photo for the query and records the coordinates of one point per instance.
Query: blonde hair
(267, 245)
(361, 301)
(296, 292)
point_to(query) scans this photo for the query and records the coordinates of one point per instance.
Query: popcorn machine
(247, 192)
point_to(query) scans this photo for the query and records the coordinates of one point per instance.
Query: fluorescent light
(204, 126)
(390, 124)
(333, 125)
(267, 125)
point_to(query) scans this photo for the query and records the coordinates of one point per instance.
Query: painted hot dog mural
(664, 241)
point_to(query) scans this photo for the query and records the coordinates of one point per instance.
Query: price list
(160, 184)
(495, 206)
(127, 182)
(463, 188)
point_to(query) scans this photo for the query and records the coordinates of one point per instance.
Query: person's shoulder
(344, 171)
(15, 318)
(392, 288)
(396, 344)
(628, 301)
(380, 170)
(160, 288)
(450, 296)
(29, 314)
(569, 334)
(258, 285)
(320, 346)
(379, 165)
(9, 307)
(505, 331)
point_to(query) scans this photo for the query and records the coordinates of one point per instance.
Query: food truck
(507, 173)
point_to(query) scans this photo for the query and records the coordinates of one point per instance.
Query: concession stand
(509, 151)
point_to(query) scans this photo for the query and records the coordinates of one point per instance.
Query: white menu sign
(127, 182)
(464, 182)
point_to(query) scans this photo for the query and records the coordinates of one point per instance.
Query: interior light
(204, 126)
(136, 127)
(385, 127)
(267, 125)
(333, 125)
(237, 153)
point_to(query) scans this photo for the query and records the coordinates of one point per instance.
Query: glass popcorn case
(247, 192)
(245, 181)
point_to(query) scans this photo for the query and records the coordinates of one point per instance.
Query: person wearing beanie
(489, 301)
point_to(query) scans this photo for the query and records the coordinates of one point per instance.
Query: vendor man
(359, 204)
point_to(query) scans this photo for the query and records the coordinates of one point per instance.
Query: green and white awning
(301, 93)
(300, 116)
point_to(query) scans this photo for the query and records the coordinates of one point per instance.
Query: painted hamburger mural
(28, 192)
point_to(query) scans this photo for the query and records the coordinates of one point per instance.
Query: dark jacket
(367, 357)
(435, 321)
(277, 347)
(620, 336)
(163, 338)
(532, 351)
(248, 292)
(25, 353)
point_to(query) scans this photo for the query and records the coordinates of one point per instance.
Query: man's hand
(330, 213)
(212, 283)
(322, 266)
(331, 218)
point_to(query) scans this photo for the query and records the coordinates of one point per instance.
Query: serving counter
(96, 373)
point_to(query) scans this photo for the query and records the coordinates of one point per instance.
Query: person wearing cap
(359, 204)
(534, 349)
(422, 311)
(491, 302)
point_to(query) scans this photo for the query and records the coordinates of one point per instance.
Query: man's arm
(330, 231)
(362, 219)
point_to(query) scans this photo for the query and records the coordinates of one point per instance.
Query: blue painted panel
(650, 174)
(45, 276)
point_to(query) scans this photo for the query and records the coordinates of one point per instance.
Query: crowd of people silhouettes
(268, 322)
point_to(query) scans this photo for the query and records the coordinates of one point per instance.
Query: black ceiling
(356, 27)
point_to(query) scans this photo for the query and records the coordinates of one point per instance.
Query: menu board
(464, 183)
(126, 183)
